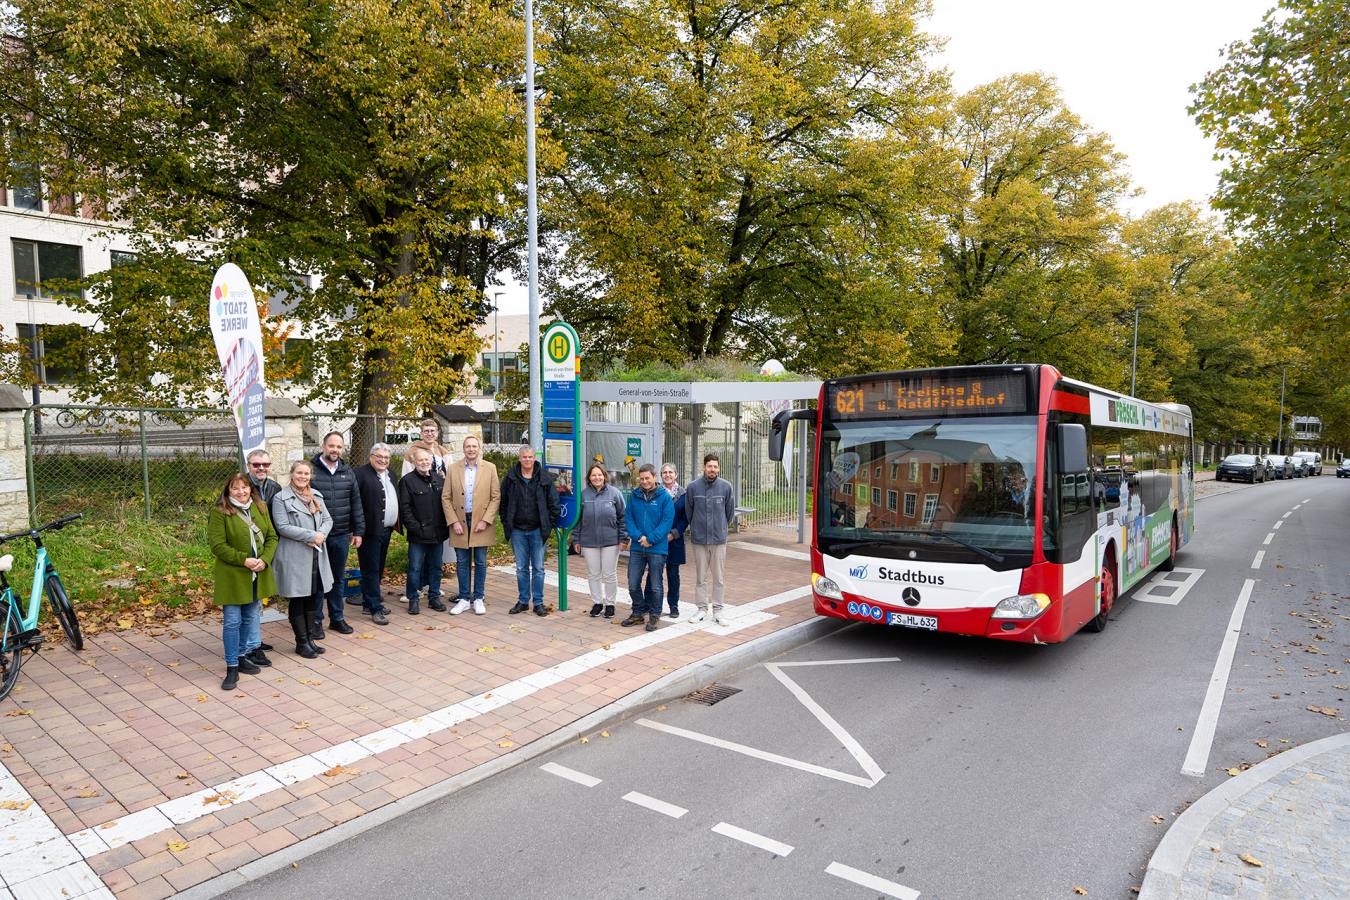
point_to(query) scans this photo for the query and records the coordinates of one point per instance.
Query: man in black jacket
(530, 507)
(423, 518)
(379, 508)
(336, 481)
(260, 474)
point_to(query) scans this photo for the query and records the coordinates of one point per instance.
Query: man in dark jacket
(529, 509)
(379, 508)
(709, 507)
(423, 518)
(336, 481)
(260, 474)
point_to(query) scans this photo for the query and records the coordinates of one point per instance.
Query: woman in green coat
(243, 541)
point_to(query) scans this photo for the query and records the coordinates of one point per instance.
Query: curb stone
(1162, 880)
(667, 688)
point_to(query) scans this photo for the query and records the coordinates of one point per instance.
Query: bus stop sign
(561, 453)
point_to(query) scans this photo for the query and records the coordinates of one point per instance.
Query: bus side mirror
(1072, 444)
(778, 429)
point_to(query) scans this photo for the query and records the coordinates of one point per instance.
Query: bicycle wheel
(64, 612)
(96, 419)
(65, 418)
(10, 652)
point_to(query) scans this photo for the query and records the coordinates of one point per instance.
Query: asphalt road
(1007, 771)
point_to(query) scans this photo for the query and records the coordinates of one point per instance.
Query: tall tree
(1030, 268)
(741, 175)
(1277, 112)
(373, 143)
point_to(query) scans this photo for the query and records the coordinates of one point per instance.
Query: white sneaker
(718, 620)
(478, 608)
(459, 607)
(698, 616)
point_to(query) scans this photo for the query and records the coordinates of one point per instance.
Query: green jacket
(228, 536)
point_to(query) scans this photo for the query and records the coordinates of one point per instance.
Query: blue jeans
(338, 546)
(241, 630)
(646, 602)
(479, 557)
(528, 546)
(371, 556)
(424, 569)
(672, 586)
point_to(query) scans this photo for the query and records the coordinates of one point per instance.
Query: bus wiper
(987, 554)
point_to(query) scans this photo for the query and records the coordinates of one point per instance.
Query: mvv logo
(858, 571)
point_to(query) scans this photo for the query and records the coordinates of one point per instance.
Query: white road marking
(756, 753)
(1270, 537)
(849, 743)
(778, 848)
(1287, 515)
(1179, 589)
(774, 551)
(143, 823)
(1260, 555)
(661, 806)
(1202, 739)
(870, 881)
(580, 778)
(37, 859)
(1277, 525)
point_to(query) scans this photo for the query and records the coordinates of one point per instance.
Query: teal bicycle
(21, 630)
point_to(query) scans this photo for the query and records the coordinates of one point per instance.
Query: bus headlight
(1023, 606)
(826, 587)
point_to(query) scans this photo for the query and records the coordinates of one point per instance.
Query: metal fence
(117, 463)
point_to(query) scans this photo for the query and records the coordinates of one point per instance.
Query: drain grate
(713, 693)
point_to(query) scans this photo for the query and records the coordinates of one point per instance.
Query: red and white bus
(1004, 501)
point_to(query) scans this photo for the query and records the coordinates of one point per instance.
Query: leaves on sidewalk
(16, 805)
(340, 770)
(18, 712)
(1251, 861)
(1080, 890)
(1156, 820)
(1324, 710)
(177, 846)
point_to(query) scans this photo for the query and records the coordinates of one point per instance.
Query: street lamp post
(1279, 430)
(536, 399)
(1134, 349)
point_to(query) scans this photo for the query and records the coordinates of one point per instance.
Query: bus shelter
(625, 424)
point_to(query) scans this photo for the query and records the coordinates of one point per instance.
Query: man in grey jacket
(709, 506)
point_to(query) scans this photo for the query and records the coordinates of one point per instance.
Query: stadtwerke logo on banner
(238, 336)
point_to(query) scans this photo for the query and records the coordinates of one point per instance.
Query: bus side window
(1106, 468)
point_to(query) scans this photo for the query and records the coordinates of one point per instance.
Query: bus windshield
(960, 489)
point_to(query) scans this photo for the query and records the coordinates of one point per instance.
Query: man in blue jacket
(650, 514)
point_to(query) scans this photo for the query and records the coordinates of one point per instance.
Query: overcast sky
(1124, 67)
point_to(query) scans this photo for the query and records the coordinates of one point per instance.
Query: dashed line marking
(1270, 537)
(1287, 515)
(777, 848)
(661, 806)
(1202, 738)
(870, 881)
(1277, 525)
(1260, 555)
(580, 778)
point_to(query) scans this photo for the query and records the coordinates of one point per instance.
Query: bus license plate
(909, 620)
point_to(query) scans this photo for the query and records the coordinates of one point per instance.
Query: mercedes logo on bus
(910, 596)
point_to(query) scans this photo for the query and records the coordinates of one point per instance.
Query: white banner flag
(238, 334)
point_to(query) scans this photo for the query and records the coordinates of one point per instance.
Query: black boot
(415, 606)
(652, 620)
(300, 626)
(609, 611)
(595, 609)
(316, 629)
(259, 658)
(231, 678)
(247, 666)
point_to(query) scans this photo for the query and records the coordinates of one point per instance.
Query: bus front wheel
(1097, 624)
(1170, 563)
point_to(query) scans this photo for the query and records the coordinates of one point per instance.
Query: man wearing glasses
(260, 474)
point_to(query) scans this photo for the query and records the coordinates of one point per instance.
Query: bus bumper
(974, 621)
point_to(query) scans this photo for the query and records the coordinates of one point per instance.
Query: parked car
(1301, 467)
(1284, 466)
(1314, 460)
(1343, 470)
(1241, 467)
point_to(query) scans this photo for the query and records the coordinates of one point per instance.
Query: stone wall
(13, 459)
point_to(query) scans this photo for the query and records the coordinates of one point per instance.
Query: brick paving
(135, 732)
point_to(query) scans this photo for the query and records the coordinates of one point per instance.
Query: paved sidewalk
(1280, 830)
(125, 770)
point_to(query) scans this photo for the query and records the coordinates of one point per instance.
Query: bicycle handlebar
(55, 525)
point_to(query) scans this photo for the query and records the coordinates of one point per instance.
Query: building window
(123, 258)
(892, 500)
(298, 353)
(911, 503)
(913, 470)
(933, 471)
(497, 365)
(876, 496)
(56, 359)
(930, 502)
(43, 270)
(847, 489)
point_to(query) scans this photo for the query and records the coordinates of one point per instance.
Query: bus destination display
(906, 396)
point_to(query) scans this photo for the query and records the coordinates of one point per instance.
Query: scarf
(310, 502)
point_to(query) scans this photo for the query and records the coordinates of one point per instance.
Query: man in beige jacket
(471, 496)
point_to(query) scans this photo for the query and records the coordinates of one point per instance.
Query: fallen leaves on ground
(177, 846)
(18, 712)
(224, 798)
(1262, 744)
(340, 770)
(585, 740)
(365, 636)
(86, 794)
(506, 743)
(16, 805)
(1251, 860)
(201, 698)
(1156, 820)
(604, 734)
(182, 776)
(1324, 710)
(6, 748)
(300, 726)
(1080, 890)
(311, 682)
(488, 649)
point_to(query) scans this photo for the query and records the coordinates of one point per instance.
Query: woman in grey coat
(301, 565)
(600, 531)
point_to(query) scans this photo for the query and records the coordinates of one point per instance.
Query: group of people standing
(294, 541)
